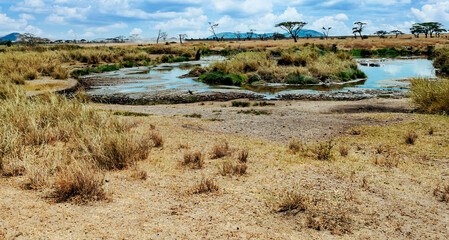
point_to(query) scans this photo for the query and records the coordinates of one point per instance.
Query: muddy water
(164, 80)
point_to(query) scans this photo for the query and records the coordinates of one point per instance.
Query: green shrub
(442, 60)
(240, 104)
(295, 78)
(218, 78)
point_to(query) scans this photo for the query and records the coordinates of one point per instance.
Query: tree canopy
(293, 28)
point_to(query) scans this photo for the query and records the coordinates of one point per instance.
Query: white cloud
(438, 11)
(103, 29)
(137, 31)
(336, 22)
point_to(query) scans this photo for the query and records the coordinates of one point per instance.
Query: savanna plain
(73, 168)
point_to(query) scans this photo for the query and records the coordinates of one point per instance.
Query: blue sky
(91, 19)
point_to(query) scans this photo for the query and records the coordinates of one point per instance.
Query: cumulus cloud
(337, 23)
(438, 11)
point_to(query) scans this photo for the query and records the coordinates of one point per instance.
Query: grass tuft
(228, 168)
(79, 183)
(323, 151)
(442, 193)
(243, 156)
(193, 160)
(206, 185)
(411, 137)
(220, 150)
(157, 139)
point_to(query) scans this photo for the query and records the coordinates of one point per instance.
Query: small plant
(240, 104)
(297, 146)
(391, 159)
(193, 160)
(243, 156)
(263, 104)
(344, 151)
(220, 150)
(292, 200)
(442, 193)
(431, 131)
(157, 139)
(139, 174)
(194, 115)
(80, 183)
(410, 138)
(324, 150)
(206, 185)
(228, 168)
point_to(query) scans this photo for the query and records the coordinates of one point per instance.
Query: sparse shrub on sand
(193, 160)
(220, 150)
(411, 137)
(442, 192)
(229, 168)
(206, 185)
(79, 183)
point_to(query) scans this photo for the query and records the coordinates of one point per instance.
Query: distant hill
(12, 36)
(303, 33)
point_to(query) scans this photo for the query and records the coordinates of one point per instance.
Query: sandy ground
(383, 203)
(304, 120)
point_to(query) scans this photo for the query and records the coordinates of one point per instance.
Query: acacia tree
(212, 27)
(250, 34)
(326, 32)
(381, 33)
(182, 37)
(416, 29)
(293, 28)
(238, 34)
(161, 35)
(439, 31)
(397, 33)
(358, 29)
(31, 40)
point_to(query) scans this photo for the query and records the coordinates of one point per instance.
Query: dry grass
(389, 160)
(206, 185)
(323, 151)
(139, 174)
(442, 192)
(344, 151)
(79, 183)
(157, 139)
(430, 95)
(410, 138)
(229, 168)
(220, 150)
(243, 156)
(193, 160)
(318, 211)
(297, 146)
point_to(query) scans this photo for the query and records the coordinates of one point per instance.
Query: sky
(93, 19)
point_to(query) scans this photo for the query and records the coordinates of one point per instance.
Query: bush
(324, 150)
(296, 78)
(240, 104)
(218, 78)
(410, 138)
(79, 183)
(220, 150)
(228, 168)
(430, 95)
(442, 60)
(193, 160)
(204, 186)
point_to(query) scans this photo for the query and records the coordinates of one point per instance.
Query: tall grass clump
(33, 130)
(441, 61)
(430, 95)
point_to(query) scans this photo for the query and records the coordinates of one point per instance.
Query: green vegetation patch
(194, 115)
(219, 78)
(240, 104)
(254, 112)
(131, 114)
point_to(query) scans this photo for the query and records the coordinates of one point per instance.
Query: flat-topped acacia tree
(293, 28)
